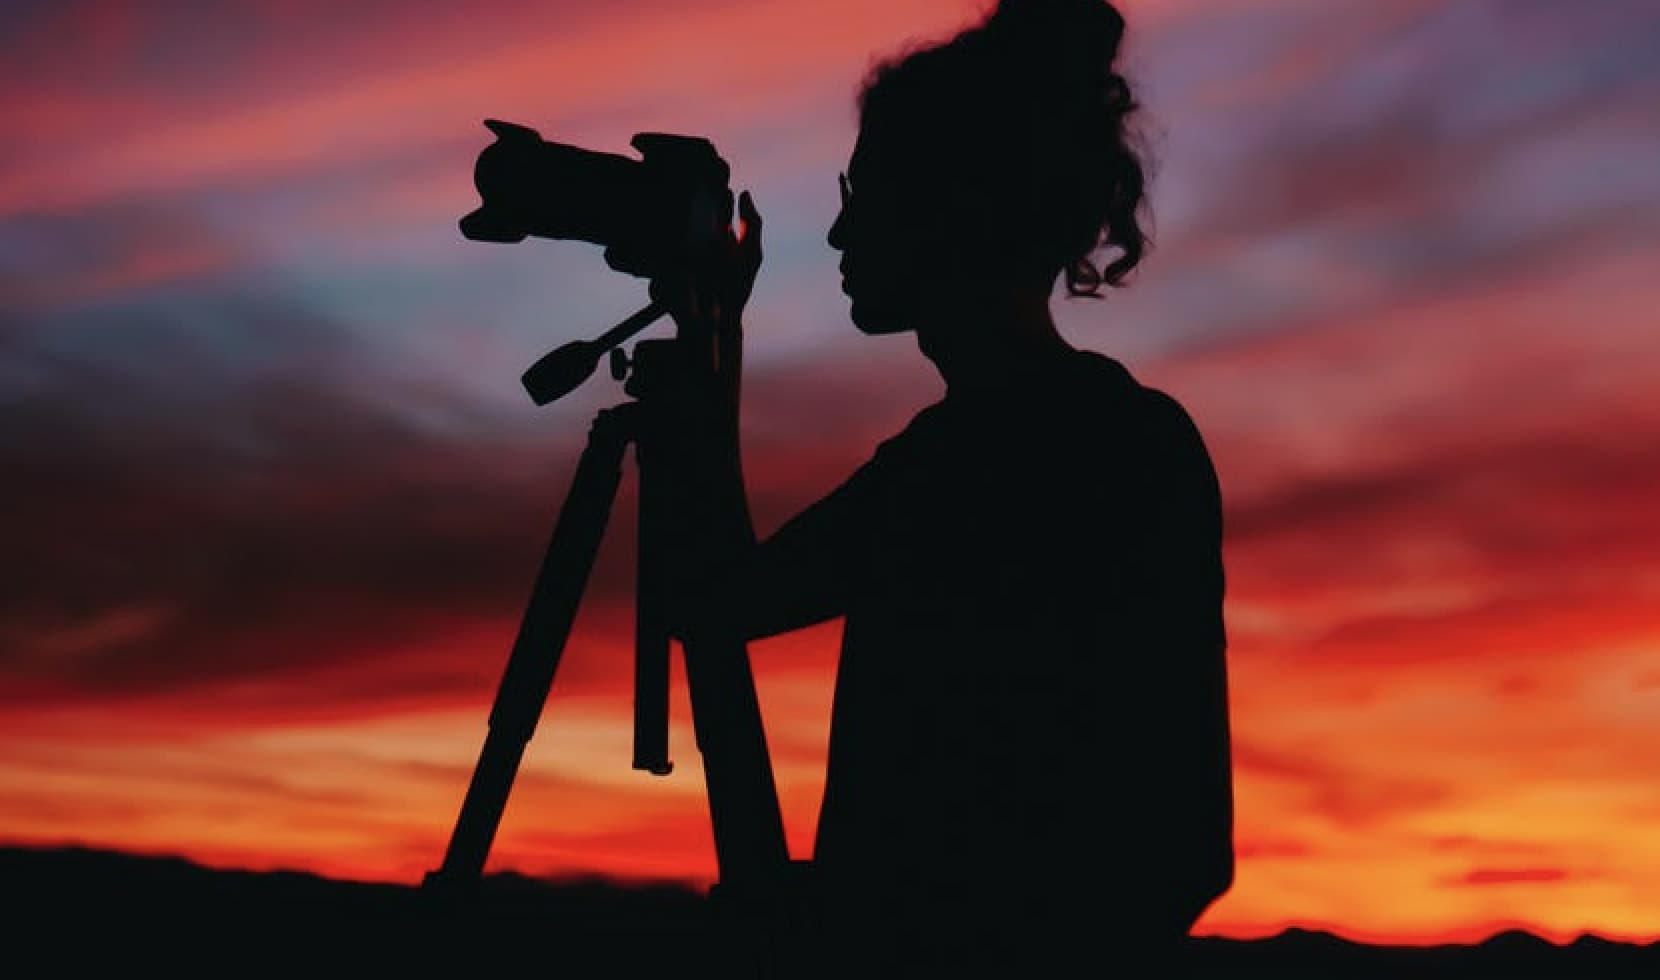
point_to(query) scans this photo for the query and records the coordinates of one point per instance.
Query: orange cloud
(1511, 876)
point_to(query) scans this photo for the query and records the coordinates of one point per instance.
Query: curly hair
(1015, 135)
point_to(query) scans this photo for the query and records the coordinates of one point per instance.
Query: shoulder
(1169, 424)
(1146, 410)
(1166, 439)
(1150, 411)
(1181, 472)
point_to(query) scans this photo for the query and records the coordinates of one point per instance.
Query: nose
(838, 232)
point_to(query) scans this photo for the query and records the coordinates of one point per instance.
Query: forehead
(870, 163)
(859, 162)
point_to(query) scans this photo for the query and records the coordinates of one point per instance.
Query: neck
(980, 341)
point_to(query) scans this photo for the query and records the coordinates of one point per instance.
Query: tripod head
(561, 370)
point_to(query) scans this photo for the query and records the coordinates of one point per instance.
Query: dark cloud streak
(255, 506)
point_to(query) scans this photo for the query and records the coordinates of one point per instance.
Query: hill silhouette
(81, 908)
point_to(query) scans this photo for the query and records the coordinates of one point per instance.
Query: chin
(876, 319)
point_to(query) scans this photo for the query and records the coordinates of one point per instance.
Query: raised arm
(725, 578)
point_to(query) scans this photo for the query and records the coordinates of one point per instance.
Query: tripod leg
(651, 629)
(541, 642)
(743, 798)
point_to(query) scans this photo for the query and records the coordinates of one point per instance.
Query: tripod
(743, 801)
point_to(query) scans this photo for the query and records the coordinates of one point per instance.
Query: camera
(652, 215)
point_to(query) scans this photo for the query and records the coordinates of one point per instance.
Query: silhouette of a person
(1029, 753)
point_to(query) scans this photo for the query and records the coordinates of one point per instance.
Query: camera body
(651, 215)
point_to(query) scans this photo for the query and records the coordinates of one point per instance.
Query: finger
(749, 241)
(749, 220)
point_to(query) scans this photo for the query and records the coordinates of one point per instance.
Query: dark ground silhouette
(77, 909)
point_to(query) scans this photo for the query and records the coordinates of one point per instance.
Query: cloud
(1511, 876)
(260, 513)
(1470, 444)
(239, 501)
(1465, 843)
(104, 254)
(1337, 790)
(304, 101)
(1317, 162)
(1254, 849)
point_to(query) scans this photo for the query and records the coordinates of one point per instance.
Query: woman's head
(993, 162)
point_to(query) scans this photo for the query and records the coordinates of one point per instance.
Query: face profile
(883, 257)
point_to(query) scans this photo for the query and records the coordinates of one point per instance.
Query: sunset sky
(272, 498)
